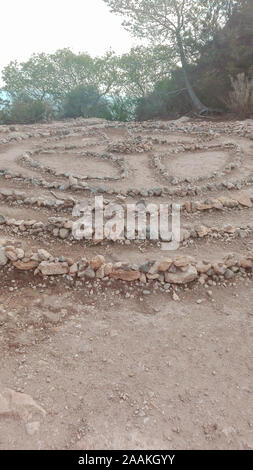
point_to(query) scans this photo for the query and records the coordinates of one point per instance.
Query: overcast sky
(29, 26)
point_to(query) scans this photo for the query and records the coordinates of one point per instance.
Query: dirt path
(120, 373)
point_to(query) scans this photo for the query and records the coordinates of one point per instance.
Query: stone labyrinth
(205, 167)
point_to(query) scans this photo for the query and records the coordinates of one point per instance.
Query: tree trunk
(196, 101)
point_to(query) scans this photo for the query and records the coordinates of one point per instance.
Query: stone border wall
(62, 227)
(179, 270)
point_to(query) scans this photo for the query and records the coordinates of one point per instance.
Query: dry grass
(240, 99)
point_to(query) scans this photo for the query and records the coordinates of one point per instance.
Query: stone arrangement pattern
(140, 139)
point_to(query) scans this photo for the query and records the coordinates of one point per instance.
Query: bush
(167, 101)
(240, 99)
(85, 101)
(26, 111)
(122, 108)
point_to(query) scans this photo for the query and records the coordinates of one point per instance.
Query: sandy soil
(115, 373)
(196, 164)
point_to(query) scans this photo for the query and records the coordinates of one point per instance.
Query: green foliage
(142, 67)
(50, 77)
(196, 21)
(85, 101)
(168, 99)
(183, 25)
(122, 108)
(229, 53)
(213, 40)
(26, 111)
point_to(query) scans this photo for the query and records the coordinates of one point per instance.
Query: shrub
(25, 111)
(85, 101)
(122, 108)
(168, 99)
(240, 99)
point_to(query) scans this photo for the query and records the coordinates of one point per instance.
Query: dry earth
(92, 362)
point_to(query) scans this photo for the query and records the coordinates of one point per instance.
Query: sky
(29, 26)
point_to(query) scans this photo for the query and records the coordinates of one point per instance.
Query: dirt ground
(117, 365)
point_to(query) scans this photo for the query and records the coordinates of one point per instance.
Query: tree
(50, 77)
(29, 79)
(227, 58)
(142, 67)
(182, 24)
(228, 55)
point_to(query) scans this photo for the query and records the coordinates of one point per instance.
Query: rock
(73, 181)
(3, 257)
(143, 278)
(73, 268)
(125, 275)
(63, 233)
(25, 266)
(182, 261)
(231, 260)
(153, 276)
(97, 262)
(188, 206)
(203, 268)
(210, 204)
(68, 224)
(227, 202)
(89, 272)
(145, 267)
(18, 404)
(11, 254)
(20, 253)
(44, 255)
(157, 192)
(229, 229)
(219, 268)
(181, 277)
(246, 263)
(202, 231)
(100, 273)
(200, 206)
(53, 269)
(164, 265)
(185, 235)
(244, 200)
(229, 274)
(2, 219)
(108, 268)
